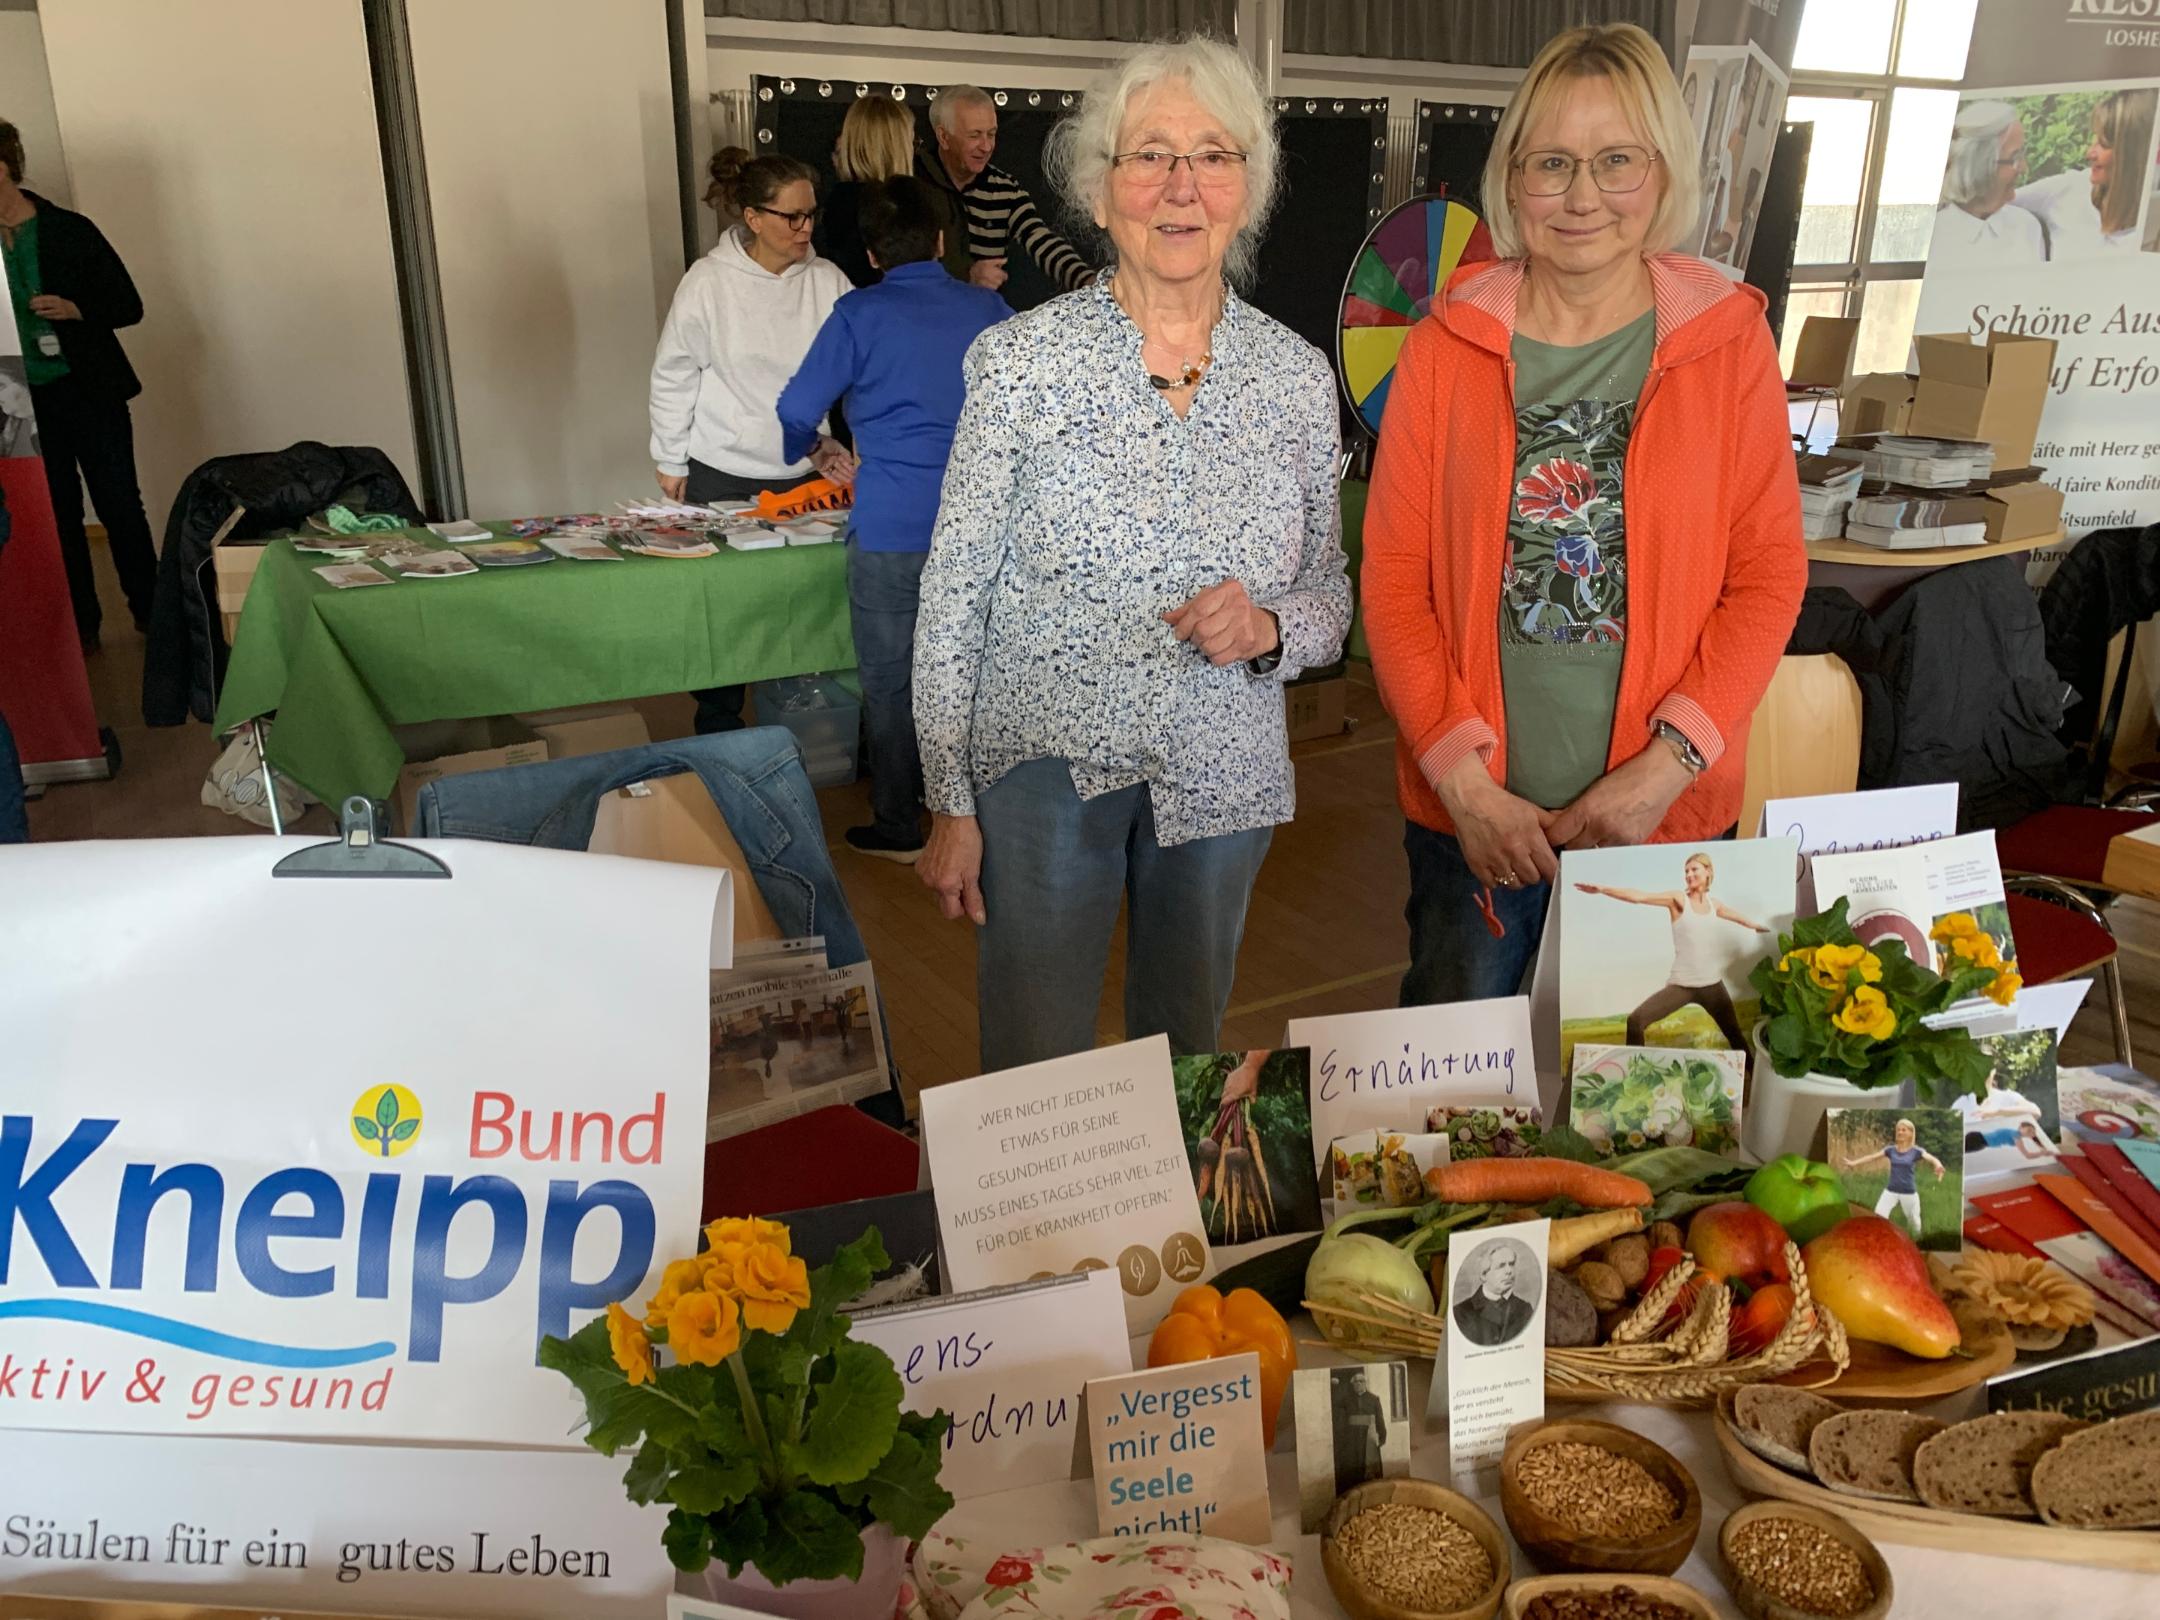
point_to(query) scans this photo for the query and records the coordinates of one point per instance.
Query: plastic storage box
(825, 717)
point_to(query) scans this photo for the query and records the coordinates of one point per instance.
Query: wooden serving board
(1919, 1526)
(1881, 1376)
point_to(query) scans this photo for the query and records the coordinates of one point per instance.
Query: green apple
(1799, 1194)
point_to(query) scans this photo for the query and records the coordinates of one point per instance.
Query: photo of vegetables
(1486, 1132)
(1247, 1121)
(1627, 1098)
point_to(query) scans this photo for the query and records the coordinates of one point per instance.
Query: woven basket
(1685, 1365)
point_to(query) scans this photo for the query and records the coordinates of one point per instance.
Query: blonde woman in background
(877, 142)
(2095, 209)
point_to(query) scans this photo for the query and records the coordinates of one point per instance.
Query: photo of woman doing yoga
(1700, 948)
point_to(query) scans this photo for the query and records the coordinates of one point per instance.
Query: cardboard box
(1316, 708)
(1993, 393)
(596, 728)
(1880, 402)
(233, 565)
(1823, 357)
(2024, 511)
(415, 777)
(673, 818)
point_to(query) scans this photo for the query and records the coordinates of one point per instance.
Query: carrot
(1532, 1181)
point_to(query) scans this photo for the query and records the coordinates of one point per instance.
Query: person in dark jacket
(71, 294)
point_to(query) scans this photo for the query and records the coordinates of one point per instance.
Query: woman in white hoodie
(740, 325)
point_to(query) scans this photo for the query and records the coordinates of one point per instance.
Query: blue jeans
(14, 817)
(884, 588)
(1453, 956)
(1054, 869)
(755, 776)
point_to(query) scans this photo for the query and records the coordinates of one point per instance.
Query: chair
(1805, 738)
(828, 1156)
(2062, 934)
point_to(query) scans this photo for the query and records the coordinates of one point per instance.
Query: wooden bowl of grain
(1657, 1588)
(1786, 1561)
(1605, 1499)
(1397, 1566)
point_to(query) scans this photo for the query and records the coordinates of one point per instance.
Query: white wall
(26, 102)
(227, 148)
(550, 138)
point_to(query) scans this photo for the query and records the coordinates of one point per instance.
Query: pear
(1872, 1278)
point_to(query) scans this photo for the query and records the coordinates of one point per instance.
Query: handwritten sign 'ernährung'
(1383, 1070)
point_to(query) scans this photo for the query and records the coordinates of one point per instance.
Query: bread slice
(2107, 1478)
(1870, 1453)
(1985, 1464)
(1775, 1423)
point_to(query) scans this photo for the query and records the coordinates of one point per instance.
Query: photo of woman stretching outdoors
(1697, 976)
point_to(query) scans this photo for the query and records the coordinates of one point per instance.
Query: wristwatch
(1268, 663)
(1677, 740)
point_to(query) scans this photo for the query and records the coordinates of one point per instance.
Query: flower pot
(1784, 1111)
(873, 1597)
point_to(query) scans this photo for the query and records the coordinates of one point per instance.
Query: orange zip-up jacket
(1716, 565)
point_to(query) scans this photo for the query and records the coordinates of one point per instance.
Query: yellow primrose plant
(1857, 1012)
(774, 1438)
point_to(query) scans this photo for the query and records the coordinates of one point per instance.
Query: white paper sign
(1383, 1070)
(1495, 1339)
(1177, 1451)
(1065, 1165)
(504, 1535)
(1009, 1364)
(1831, 823)
(354, 1147)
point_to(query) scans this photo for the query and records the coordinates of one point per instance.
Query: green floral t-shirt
(1563, 603)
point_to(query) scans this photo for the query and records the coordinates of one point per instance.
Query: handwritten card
(1069, 1165)
(1832, 823)
(1383, 1071)
(1178, 1450)
(1010, 1365)
(1495, 1339)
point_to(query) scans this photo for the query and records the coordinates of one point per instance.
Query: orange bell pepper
(1204, 1325)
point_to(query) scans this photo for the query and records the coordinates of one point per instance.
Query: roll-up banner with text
(1733, 83)
(2049, 225)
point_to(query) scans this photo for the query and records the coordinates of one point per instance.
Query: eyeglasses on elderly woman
(1617, 168)
(1152, 166)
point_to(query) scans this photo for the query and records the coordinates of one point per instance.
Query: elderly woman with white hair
(1137, 547)
(1978, 221)
(1582, 547)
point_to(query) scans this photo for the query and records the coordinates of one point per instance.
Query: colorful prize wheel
(1404, 263)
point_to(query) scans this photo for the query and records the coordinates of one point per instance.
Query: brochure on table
(1834, 823)
(269, 1251)
(1075, 1164)
(1495, 1340)
(1178, 1450)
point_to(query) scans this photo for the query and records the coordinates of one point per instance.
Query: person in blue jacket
(891, 355)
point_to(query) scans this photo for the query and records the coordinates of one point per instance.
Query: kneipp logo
(386, 1121)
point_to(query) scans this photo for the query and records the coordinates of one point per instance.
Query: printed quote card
(1077, 1164)
(1178, 1450)
(1495, 1308)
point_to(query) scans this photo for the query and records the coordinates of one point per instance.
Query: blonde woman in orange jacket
(1582, 548)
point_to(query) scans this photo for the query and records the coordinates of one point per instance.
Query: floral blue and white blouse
(1078, 509)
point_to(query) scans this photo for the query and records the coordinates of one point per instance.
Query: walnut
(1602, 1283)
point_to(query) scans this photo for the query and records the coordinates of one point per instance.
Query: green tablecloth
(341, 668)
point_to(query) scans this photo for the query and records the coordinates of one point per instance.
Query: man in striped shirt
(999, 212)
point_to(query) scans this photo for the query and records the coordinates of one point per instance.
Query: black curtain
(1048, 19)
(1471, 33)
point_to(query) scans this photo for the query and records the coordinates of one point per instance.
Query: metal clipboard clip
(360, 851)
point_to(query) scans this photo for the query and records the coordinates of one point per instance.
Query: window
(1878, 79)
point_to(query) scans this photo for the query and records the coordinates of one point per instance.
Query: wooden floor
(1325, 932)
